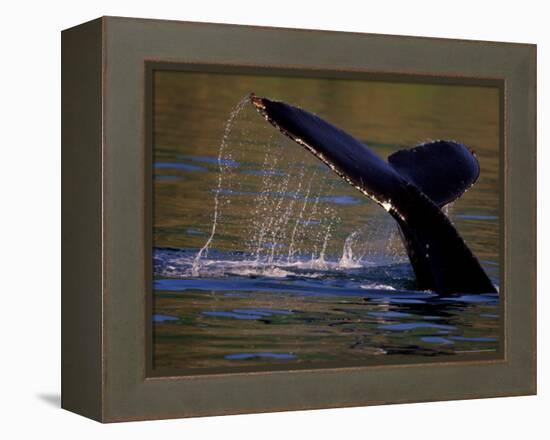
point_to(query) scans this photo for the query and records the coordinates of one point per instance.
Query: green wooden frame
(106, 193)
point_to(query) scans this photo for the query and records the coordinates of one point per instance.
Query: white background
(30, 218)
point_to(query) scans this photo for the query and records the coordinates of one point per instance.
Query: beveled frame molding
(106, 188)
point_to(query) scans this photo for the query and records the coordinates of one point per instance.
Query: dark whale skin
(410, 192)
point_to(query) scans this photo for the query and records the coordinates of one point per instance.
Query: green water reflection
(200, 327)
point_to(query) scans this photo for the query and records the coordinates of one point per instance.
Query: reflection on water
(301, 268)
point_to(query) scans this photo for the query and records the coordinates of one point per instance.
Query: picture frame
(106, 218)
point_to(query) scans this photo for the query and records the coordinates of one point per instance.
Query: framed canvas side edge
(82, 220)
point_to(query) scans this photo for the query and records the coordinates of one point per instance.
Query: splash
(278, 211)
(348, 260)
(227, 131)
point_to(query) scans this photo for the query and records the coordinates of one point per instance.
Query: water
(264, 257)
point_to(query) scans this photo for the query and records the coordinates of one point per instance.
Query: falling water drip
(260, 206)
(299, 220)
(282, 220)
(320, 262)
(303, 226)
(267, 212)
(347, 259)
(227, 131)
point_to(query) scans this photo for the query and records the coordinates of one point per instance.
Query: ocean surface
(263, 257)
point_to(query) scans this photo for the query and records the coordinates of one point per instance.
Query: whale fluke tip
(257, 101)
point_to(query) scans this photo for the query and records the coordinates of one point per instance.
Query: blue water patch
(477, 217)
(414, 325)
(164, 318)
(312, 287)
(341, 200)
(262, 354)
(480, 339)
(192, 231)
(257, 313)
(436, 340)
(178, 166)
(481, 298)
(231, 192)
(222, 314)
(211, 160)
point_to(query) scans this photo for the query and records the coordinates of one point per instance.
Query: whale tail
(412, 186)
(442, 170)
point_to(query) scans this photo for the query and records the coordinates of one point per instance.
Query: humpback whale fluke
(412, 186)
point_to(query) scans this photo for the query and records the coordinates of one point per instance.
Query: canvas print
(310, 221)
